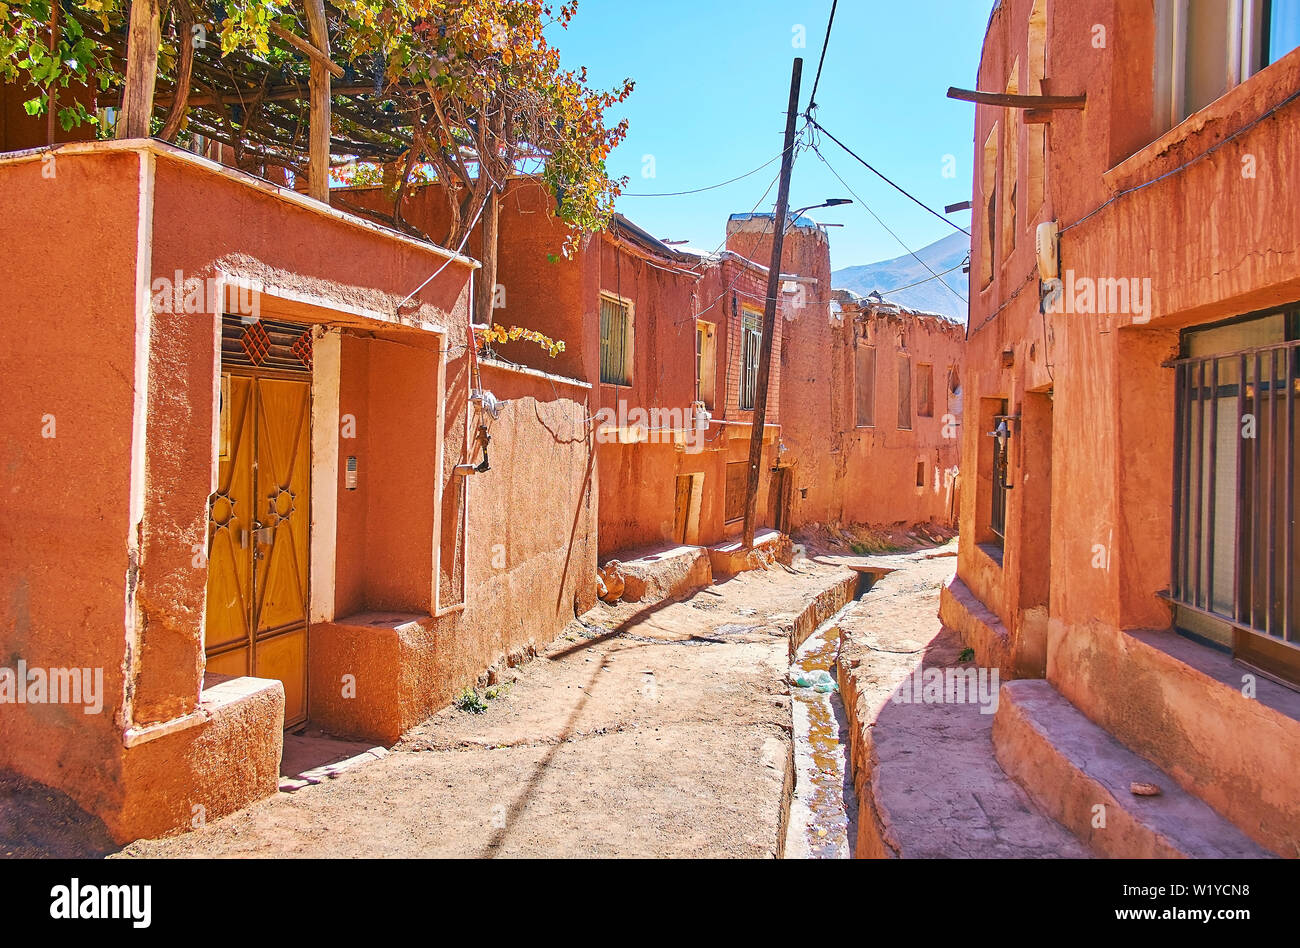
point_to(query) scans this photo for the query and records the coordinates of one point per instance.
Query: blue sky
(712, 82)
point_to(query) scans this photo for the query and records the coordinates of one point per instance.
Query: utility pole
(769, 309)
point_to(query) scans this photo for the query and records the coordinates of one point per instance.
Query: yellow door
(258, 535)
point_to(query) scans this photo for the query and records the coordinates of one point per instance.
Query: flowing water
(823, 814)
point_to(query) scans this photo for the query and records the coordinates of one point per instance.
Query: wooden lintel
(1038, 116)
(1009, 101)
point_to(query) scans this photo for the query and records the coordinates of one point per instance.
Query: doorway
(259, 517)
(778, 499)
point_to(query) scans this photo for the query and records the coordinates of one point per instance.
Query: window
(1036, 134)
(737, 486)
(865, 383)
(751, 345)
(954, 391)
(920, 473)
(1011, 170)
(1208, 46)
(615, 340)
(904, 393)
(1234, 546)
(989, 177)
(925, 390)
(705, 364)
(1281, 29)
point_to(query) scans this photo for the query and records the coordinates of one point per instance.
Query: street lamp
(830, 202)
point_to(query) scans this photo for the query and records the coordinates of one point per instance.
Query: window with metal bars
(1234, 542)
(615, 341)
(751, 345)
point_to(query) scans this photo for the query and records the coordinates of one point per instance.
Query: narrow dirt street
(644, 731)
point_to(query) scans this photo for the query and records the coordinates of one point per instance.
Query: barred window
(1233, 539)
(751, 345)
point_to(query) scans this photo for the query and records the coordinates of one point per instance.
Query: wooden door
(778, 500)
(258, 535)
(682, 508)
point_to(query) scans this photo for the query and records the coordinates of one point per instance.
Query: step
(1225, 734)
(1070, 767)
(656, 575)
(728, 559)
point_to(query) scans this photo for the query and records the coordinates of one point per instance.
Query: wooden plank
(141, 69)
(1009, 101)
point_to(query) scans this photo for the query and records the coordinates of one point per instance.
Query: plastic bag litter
(819, 680)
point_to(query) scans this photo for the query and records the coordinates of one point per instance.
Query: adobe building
(1128, 514)
(249, 483)
(667, 339)
(870, 401)
(899, 461)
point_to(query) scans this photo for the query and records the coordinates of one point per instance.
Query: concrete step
(656, 575)
(1082, 777)
(770, 546)
(1226, 735)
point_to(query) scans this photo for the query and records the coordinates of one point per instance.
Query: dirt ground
(660, 730)
(644, 731)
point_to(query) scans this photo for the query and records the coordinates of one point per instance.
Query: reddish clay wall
(1179, 210)
(204, 220)
(67, 369)
(844, 473)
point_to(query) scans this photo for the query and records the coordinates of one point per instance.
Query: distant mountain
(930, 295)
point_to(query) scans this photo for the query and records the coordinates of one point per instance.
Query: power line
(941, 273)
(881, 222)
(711, 187)
(812, 99)
(799, 144)
(882, 177)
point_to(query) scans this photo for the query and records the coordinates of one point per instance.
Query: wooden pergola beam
(282, 93)
(1008, 101)
(312, 52)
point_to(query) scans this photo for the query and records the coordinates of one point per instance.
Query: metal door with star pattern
(258, 534)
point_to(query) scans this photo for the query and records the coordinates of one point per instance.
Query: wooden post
(52, 90)
(769, 309)
(141, 69)
(318, 164)
(487, 274)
